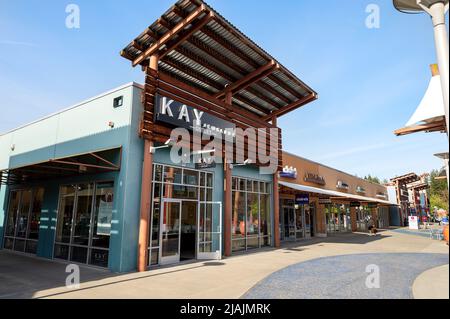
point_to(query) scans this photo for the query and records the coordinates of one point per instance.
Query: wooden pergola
(196, 46)
(193, 55)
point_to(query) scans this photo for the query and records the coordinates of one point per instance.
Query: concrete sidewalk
(229, 278)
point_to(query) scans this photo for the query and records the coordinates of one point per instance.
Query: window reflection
(87, 239)
(251, 221)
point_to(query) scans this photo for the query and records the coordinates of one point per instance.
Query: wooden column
(353, 219)
(276, 203)
(228, 196)
(146, 196)
(374, 212)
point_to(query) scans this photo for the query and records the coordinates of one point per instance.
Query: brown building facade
(316, 200)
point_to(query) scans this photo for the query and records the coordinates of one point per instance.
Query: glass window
(65, 211)
(91, 207)
(99, 257)
(251, 220)
(172, 175)
(78, 254)
(265, 215)
(12, 214)
(209, 180)
(104, 200)
(35, 217)
(22, 221)
(249, 186)
(238, 219)
(82, 221)
(190, 177)
(252, 214)
(158, 173)
(156, 213)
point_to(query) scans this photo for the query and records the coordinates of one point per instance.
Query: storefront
(121, 180)
(337, 202)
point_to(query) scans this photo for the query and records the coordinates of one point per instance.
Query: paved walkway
(432, 284)
(26, 277)
(344, 277)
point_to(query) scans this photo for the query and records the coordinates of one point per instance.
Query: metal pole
(437, 12)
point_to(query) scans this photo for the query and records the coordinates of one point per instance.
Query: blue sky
(369, 80)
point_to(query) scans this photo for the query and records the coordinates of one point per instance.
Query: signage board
(302, 199)
(372, 205)
(177, 114)
(324, 201)
(413, 222)
(289, 172)
(355, 204)
(205, 165)
(314, 178)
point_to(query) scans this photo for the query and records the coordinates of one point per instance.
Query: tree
(438, 191)
(371, 179)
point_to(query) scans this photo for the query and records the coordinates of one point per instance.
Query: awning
(320, 191)
(430, 115)
(78, 164)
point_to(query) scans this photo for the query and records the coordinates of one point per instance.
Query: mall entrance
(186, 223)
(188, 232)
(296, 221)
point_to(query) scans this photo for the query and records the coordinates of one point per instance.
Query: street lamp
(437, 10)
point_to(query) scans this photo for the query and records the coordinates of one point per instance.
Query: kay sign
(178, 114)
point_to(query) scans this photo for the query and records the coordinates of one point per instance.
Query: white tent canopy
(431, 108)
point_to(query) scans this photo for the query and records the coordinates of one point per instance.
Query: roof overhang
(406, 179)
(196, 45)
(95, 162)
(334, 194)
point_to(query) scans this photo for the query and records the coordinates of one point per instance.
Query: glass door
(170, 232)
(209, 239)
(289, 223)
(308, 221)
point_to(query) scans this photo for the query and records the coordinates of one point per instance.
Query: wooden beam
(214, 68)
(291, 107)
(431, 127)
(169, 35)
(236, 51)
(249, 79)
(188, 33)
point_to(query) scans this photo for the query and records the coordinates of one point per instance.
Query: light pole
(437, 10)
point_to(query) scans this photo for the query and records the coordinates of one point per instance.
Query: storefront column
(374, 215)
(276, 203)
(228, 193)
(321, 224)
(228, 207)
(353, 219)
(146, 195)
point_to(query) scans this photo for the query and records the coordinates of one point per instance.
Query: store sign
(355, 204)
(289, 172)
(205, 165)
(372, 205)
(181, 115)
(414, 222)
(324, 201)
(302, 199)
(314, 178)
